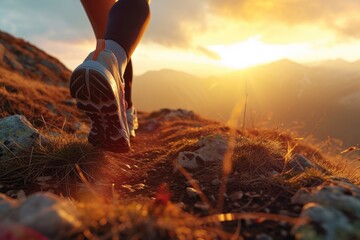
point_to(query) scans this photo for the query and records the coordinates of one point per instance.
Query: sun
(253, 52)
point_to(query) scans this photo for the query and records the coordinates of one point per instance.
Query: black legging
(127, 22)
(128, 77)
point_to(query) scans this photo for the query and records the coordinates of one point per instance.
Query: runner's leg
(97, 12)
(127, 23)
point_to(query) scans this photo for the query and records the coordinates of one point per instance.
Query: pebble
(263, 236)
(236, 196)
(44, 178)
(283, 233)
(236, 204)
(215, 182)
(20, 194)
(252, 195)
(202, 206)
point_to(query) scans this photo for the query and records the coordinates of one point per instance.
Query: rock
(215, 182)
(18, 194)
(330, 196)
(335, 206)
(190, 160)
(335, 225)
(169, 114)
(299, 163)
(235, 196)
(209, 149)
(47, 214)
(17, 135)
(6, 206)
(263, 236)
(202, 206)
(152, 125)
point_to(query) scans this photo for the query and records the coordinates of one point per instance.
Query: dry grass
(57, 158)
(37, 101)
(258, 163)
(149, 220)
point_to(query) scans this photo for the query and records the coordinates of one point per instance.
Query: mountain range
(321, 99)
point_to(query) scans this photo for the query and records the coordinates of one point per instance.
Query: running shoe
(132, 119)
(99, 91)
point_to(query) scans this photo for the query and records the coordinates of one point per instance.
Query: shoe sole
(94, 95)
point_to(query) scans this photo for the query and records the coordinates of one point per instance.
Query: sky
(202, 37)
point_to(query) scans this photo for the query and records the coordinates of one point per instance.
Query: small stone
(20, 194)
(43, 178)
(215, 182)
(236, 204)
(283, 233)
(18, 135)
(210, 149)
(235, 196)
(152, 125)
(202, 206)
(263, 236)
(47, 214)
(6, 206)
(189, 160)
(252, 195)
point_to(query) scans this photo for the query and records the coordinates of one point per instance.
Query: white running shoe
(132, 119)
(98, 88)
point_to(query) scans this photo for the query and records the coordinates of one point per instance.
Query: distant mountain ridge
(320, 100)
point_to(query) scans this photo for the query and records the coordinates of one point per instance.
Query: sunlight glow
(253, 52)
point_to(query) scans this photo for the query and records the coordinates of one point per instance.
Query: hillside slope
(26, 59)
(34, 84)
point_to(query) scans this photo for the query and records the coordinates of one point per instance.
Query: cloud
(174, 23)
(54, 20)
(324, 13)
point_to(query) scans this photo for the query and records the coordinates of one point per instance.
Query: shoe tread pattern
(95, 97)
